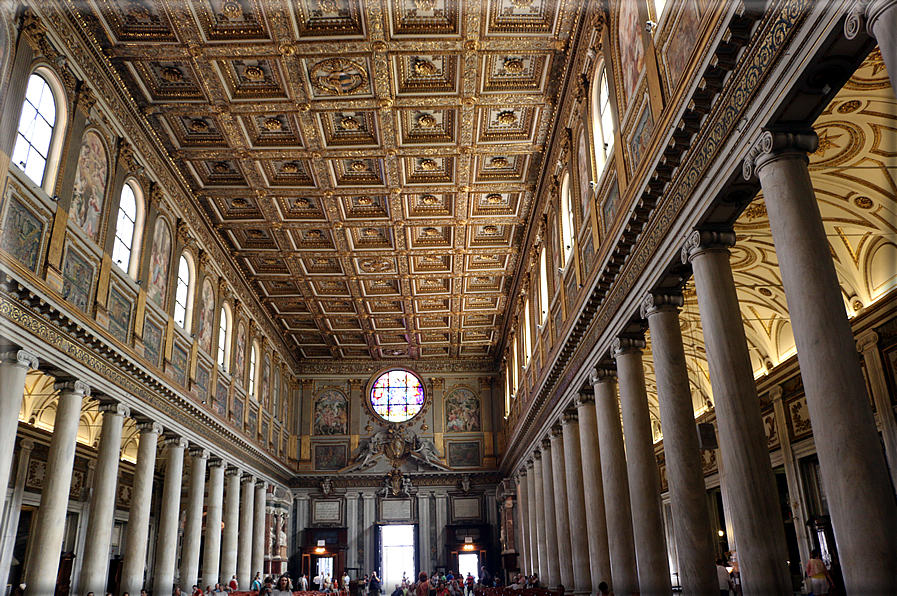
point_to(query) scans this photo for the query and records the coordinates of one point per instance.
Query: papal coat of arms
(337, 76)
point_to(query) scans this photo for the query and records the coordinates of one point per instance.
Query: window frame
(58, 129)
(603, 141)
(225, 317)
(253, 384)
(186, 257)
(568, 222)
(133, 266)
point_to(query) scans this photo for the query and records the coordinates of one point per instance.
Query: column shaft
(753, 497)
(231, 526)
(14, 367)
(593, 492)
(685, 471)
(576, 506)
(212, 550)
(542, 563)
(40, 575)
(558, 469)
(851, 460)
(138, 517)
(533, 537)
(523, 519)
(879, 17)
(550, 578)
(617, 506)
(169, 514)
(258, 532)
(244, 543)
(95, 567)
(193, 520)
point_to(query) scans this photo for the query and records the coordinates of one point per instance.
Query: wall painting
(266, 382)
(77, 277)
(641, 137)
(584, 169)
(119, 309)
(462, 411)
(632, 51)
(89, 191)
(179, 365)
(160, 259)
(464, 454)
(331, 415)
(266, 429)
(219, 404)
(238, 411)
(330, 457)
(682, 41)
(152, 342)
(611, 204)
(22, 234)
(253, 422)
(202, 382)
(206, 316)
(240, 354)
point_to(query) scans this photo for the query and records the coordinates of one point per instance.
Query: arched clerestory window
(41, 129)
(183, 297)
(126, 250)
(602, 120)
(253, 371)
(224, 337)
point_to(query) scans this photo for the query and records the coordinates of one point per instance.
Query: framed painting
(202, 382)
(22, 234)
(331, 414)
(179, 365)
(77, 278)
(330, 457)
(89, 191)
(219, 404)
(464, 454)
(119, 309)
(152, 342)
(160, 259)
(238, 412)
(462, 411)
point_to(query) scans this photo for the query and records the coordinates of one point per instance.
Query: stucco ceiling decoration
(370, 165)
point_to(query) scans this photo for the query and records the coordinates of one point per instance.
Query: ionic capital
(233, 472)
(545, 444)
(865, 12)
(556, 432)
(771, 145)
(653, 303)
(217, 463)
(261, 484)
(199, 453)
(626, 345)
(20, 358)
(149, 426)
(26, 445)
(521, 473)
(776, 393)
(111, 407)
(585, 397)
(602, 375)
(699, 241)
(177, 442)
(72, 386)
(537, 455)
(867, 341)
(248, 479)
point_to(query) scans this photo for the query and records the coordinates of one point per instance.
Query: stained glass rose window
(397, 395)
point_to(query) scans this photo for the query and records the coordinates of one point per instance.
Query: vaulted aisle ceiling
(370, 165)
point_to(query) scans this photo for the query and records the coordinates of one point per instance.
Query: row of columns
(854, 473)
(236, 549)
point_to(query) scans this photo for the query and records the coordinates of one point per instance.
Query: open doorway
(396, 555)
(469, 563)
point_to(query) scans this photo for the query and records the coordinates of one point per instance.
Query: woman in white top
(282, 588)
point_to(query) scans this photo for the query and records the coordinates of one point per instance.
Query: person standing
(722, 574)
(374, 585)
(303, 583)
(233, 586)
(820, 580)
(256, 583)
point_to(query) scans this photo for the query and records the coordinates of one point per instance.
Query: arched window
(602, 120)
(527, 340)
(224, 338)
(507, 392)
(543, 285)
(512, 365)
(125, 251)
(183, 297)
(566, 218)
(39, 138)
(253, 370)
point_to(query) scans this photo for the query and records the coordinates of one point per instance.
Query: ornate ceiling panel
(370, 164)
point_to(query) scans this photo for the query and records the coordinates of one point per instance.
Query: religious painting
(77, 277)
(219, 404)
(253, 423)
(462, 411)
(632, 52)
(179, 365)
(611, 204)
(587, 253)
(240, 353)
(22, 234)
(152, 342)
(331, 416)
(238, 411)
(119, 309)
(202, 382)
(682, 41)
(266, 382)
(556, 253)
(160, 259)
(464, 454)
(89, 190)
(329, 458)
(584, 169)
(641, 136)
(266, 429)
(206, 316)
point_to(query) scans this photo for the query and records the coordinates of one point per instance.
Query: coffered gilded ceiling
(371, 165)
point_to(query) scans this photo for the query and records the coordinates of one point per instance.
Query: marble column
(259, 534)
(14, 510)
(169, 516)
(644, 477)
(615, 477)
(523, 519)
(441, 521)
(101, 518)
(753, 495)
(137, 531)
(244, 542)
(550, 577)
(49, 527)
(192, 540)
(854, 473)
(211, 562)
(879, 17)
(558, 470)
(231, 525)
(14, 367)
(593, 489)
(368, 516)
(685, 470)
(533, 543)
(542, 547)
(423, 512)
(576, 506)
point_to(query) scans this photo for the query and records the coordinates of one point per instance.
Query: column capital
(233, 472)
(529, 464)
(776, 393)
(585, 397)
(174, 441)
(149, 426)
(20, 358)
(26, 445)
(261, 484)
(113, 407)
(556, 432)
(865, 12)
(521, 473)
(217, 463)
(569, 417)
(699, 241)
(72, 386)
(867, 341)
(602, 375)
(537, 455)
(627, 345)
(545, 444)
(199, 453)
(656, 302)
(771, 145)
(248, 479)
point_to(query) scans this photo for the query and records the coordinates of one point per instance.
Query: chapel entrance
(396, 555)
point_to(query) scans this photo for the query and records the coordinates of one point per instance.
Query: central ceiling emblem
(428, 165)
(350, 123)
(253, 73)
(231, 10)
(514, 65)
(273, 124)
(425, 68)
(338, 75)
(427, 120)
